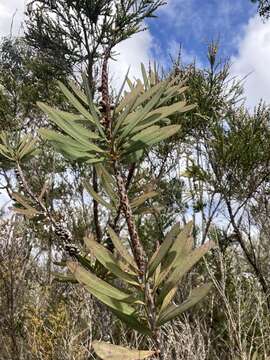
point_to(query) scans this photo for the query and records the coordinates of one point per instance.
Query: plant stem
(136, 245)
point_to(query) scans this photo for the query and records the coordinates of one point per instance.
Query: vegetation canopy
(137, 220)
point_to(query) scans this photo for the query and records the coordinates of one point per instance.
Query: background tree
(214, 170)
(263, 8)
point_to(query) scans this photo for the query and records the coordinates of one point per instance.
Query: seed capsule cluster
(58, 228)
(18, 177)
(72, 250)
(61, 232)
(65, 235)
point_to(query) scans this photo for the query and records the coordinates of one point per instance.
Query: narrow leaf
(142, 198)
(132, 322)
(76, 103)
(106, 258)
(96, 196)
(108, 351)
(173, 311)
(181, 246)
(164, 248)
(121, 249)
(182, 265)
(106, 293)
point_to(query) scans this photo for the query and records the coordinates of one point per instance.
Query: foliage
(263, 8)
(112, 199)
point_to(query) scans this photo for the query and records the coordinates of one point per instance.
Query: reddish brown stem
(95, 208)
(137, 248)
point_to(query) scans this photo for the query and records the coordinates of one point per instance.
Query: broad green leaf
(140, 136)
(138, 145)
(27, 148)
(105, 292)
(57, 137)
(76, 131)
(83, 131)
(180, 247)
(71, 152)
(96, 160)
(163, 250)
(108, 183)
(182, 265)
(145, 77)
(152, 138)
(75, 102)
(173, 311)
(64, 277)
(68, 146)
(121, 249)
(108, 351)
(6, 152)
(65, 115)
(130, 117)
(156, 276)
(94, 111)
(106, 258)
(172, 92)
(129, 98)
(142, 198)
(133, 323)
(134, 157)
(120, 91)
(78, 92)
(143, 113)
(128, 109)
(166, 111)
(150, 122)
(152, 77)
(130, 84)
(97, 197)
(24, 141)
(87, 263)
(168, 298)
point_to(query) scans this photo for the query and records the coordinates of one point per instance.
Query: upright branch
(136, 245)
(105, 95)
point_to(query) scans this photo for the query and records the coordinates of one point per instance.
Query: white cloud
(253, 58)
(131, 53)
(8, 10)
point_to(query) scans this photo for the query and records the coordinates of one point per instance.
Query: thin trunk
(136, 245)
(252, 260)
(95, 208)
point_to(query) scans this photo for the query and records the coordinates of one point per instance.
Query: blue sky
(194, 23)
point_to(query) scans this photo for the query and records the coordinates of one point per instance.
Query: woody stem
(136, 245)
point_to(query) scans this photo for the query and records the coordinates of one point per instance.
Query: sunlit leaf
(173, 311)
(106, 258)
(121, 249)
(108, 351)
(96, 196)
(142, 198)
(163, 250)
(106, 293)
